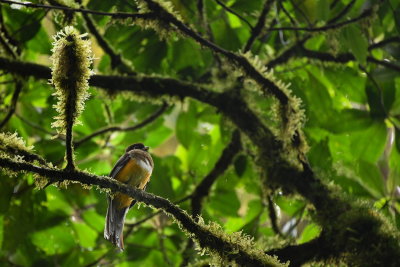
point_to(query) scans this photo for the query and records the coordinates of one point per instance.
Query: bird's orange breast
(134, 175)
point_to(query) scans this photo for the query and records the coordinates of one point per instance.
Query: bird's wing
(119, 165)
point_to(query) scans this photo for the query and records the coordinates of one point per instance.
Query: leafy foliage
(346, 76)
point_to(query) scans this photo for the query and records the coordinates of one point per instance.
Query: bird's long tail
(115, 223)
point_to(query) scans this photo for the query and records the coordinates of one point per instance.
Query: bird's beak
(146, 148)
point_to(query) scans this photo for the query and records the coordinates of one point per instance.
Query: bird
(134, 168)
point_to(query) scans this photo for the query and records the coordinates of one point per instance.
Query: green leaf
(93, 219)
(371, 178)
(85, 234)
(185, 126)
(289, 206)
(55, 240)
(224, 202)
(369, 144)
(160, 181)
(1, 230)
(252, 211)
(158, 136)
(6, 192)
(57, 202)
(310, 232)
(322, 9)
(375, 102)
(87, 258)
(349, 120)
(355, 40)
(184, 53)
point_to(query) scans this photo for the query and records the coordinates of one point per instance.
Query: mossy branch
(12, 145)
(329, 206)
(72, 58)
(205, 238)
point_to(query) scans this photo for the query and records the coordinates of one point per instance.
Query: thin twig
(384, 63)
(145, 122)
(116, 59)
(301, 12)
(203, 188)
(266, 84)
(343, 58)
(363, 15)
(34, 125)
(342, 13)
(230, 10)
(260, 24)
(394, 39)
(13, 105)
(117, 15)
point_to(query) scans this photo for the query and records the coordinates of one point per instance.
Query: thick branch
(27, 156)
(202, 235)
(300, 254)
(280, 172)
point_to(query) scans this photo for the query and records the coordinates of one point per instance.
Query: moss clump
(12, 140)
(289, 116)
(241, 242)
(71, 58)
(162, 8)
(363, 237)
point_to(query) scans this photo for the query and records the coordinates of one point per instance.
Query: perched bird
(134, 168)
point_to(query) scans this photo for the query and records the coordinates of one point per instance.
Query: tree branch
(116, 59)
(116, 15)
(230, 10)
(203, 188)
(329, 206)
(13, 105)
(344, 58)
(300, 254)
(205, 237)
(239, 60)
(394, 39)
(342, 13)
(365, 14)
(260, 24)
